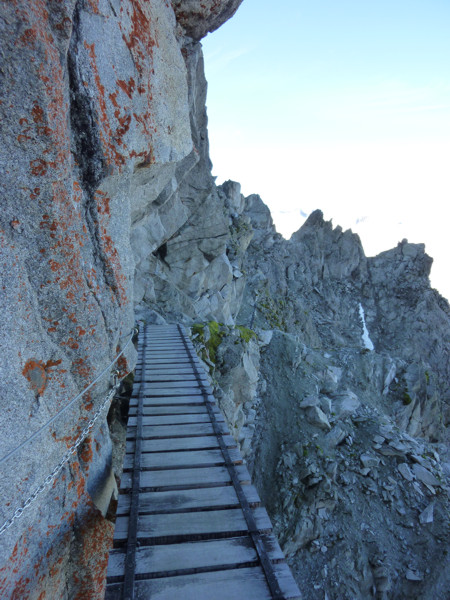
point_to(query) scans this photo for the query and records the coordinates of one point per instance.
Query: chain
(67, 406)
(65, 459)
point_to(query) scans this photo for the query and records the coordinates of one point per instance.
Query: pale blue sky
(343, 106)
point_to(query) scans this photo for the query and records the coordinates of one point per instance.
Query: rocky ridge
(342, 420)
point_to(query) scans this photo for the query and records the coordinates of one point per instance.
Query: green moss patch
(215, 339)
(406, 399)
(246, 333)
(216, 334)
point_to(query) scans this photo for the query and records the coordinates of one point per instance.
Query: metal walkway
(189, 523)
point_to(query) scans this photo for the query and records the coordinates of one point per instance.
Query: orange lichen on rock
(127, 87)
(108, 138)
(37, 113)
(66, 261)
(115, 267)
(93, 4)
(96, 536)
(78, 482)
(88, 402)
(122, 364)
(102, 201)
(87, 452)
(58, 274)
(81, 368)
(49, 111)
(38, 167)
(35, 371)
(14, 565)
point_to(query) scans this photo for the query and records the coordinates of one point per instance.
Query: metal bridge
(189, 523)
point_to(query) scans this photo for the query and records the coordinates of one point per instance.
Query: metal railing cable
(50, 478)
(71, 403)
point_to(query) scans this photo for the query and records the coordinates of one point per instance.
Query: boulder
(199, 17)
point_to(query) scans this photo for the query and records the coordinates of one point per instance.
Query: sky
(342, 106)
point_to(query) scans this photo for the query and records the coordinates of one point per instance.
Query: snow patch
(367, 342)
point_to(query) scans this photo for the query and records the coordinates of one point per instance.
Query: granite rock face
(181, 244)
(102, 109)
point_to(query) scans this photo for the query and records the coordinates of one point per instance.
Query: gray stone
(369, 461)
(198, 17)
(346, 404)
(309, 401)
(325, 405)
(405, 471)
(413, 575)
(378, 439)
(305, 532)
(317, 417)
(153, 317)
(426, 516)
(265, 336)
(113, 114)
(334, 373)
(234, 200)
(335, 436)
(424, 475)
(260, 217)
(382, 578)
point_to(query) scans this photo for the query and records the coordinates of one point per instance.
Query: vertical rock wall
(96, 114)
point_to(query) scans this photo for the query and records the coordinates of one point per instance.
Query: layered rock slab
(199, 17)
